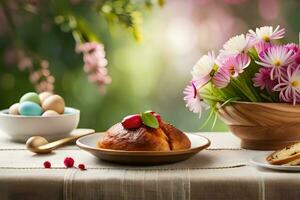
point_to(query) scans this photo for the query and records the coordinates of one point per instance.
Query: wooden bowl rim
(263, 103)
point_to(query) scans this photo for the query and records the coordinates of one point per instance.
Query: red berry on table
(81, 166)
(69, 162)
(132, 122)
(47, 164)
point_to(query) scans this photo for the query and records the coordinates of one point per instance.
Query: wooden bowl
(263, 126)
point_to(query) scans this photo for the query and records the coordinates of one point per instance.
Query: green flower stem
(248, 88)
(268, 98)
(274, 96)
(210, 97)
(231, 92)
(238, 89)
(245, 76)
(249, 73)
(212, 111)
(215, 120)
(218, 92)
(251, 94)
(244, 89)
(211, 91)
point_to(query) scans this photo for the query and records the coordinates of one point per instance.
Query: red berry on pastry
(132, 122)
(81, 166)
(47, 164)
(157, 116)
(69, 162)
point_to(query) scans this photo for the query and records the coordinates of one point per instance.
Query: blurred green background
(145, 75)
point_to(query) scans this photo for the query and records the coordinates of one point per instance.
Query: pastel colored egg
(44, 95)
(29, 108)
(50, 113)
(31, 96)
(54, 102)
(14, 109)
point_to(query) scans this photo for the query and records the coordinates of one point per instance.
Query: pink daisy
(221, 78)
(261, 48)
(234, 46)
(266, 34)
(231, 67)
(297, 57)
(202, 71)
(296, 51)
(262, 79)
(276, 57)
(193, 101)
(289, 87)
(292, 46)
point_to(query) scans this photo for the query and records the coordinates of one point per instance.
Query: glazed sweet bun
(176, 138)
(164, 138)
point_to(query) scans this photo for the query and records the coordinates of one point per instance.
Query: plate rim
(273, 167)
(144, 153)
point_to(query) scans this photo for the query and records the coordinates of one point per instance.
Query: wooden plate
(88, 143)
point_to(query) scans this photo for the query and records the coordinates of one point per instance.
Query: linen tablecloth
(220, 172)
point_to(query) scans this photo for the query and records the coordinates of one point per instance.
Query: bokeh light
(146, 75)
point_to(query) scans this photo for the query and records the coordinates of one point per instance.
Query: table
(220, 172)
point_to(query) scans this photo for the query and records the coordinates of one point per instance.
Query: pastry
(132, 134)
(289, 155)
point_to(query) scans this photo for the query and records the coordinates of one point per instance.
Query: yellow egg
(50, 113)
(14, 109)
(44, 95)
(54, 102)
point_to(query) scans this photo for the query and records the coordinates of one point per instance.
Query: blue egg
(29, 108)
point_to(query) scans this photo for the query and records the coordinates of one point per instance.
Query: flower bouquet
(253, 84)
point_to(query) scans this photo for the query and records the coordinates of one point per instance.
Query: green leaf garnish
(149, 120)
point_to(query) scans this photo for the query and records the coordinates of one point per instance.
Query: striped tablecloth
(220, 172)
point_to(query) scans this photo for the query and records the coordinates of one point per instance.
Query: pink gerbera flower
(276, 57)
(222, 78)
(262, 47)
(232, 67)
(289, 87)
(266, 34)
(292, 46)
(202, 71)
(296, 51)
(192, 98)
(234, 46)
(262, 79)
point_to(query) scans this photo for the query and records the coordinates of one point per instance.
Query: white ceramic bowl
(20, 128)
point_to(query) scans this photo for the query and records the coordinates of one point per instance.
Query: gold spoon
(40, 145)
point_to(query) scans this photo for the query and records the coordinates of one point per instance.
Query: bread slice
(286, 156)
(295, 162)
